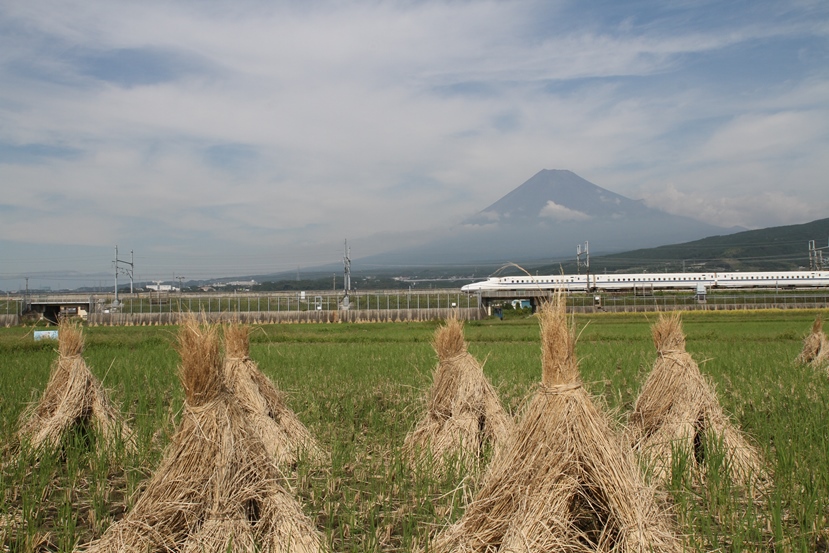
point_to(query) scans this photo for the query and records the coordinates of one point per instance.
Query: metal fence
(288, 302)
(166, 308)
(369, 306)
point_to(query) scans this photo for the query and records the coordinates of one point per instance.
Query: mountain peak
(558, 195)
(547, 217)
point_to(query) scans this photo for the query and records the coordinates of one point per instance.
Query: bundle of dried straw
(217, 488)
(815, 346)
(73, 398)
(463, 413)
(285, 437)
(565, 483)
(678, 410)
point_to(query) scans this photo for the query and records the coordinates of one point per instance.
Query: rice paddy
(360, 389)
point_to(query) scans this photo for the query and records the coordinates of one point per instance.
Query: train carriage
(654, 281)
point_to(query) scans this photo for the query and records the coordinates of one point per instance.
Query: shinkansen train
(654, 281)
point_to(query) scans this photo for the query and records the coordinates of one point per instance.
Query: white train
(654, 281)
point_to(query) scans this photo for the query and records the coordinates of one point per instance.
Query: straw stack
(678, 411)
(464, 414)
(217, 489)
(285, 437)
(564, 483)
(815, 346)
(73, 398)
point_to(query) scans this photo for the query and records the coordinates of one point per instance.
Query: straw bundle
(815, 346)
(564, 483)
(463, 412)
(73, 398)
(285, 437)
(677, 409)
(216, 489)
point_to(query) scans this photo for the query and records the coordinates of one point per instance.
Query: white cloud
(763, 136)
(760, 210)
(561, 213)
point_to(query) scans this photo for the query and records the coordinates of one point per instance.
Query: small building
(162, 288)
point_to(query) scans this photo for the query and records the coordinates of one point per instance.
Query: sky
(219, 138)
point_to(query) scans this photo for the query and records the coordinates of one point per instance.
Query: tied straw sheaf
(677, 411)
(565, 482)
(463, 414)
(217, 488)
(73, 398)
(285, 438)
(815, 346)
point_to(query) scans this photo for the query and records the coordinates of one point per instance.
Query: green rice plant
(359, 389)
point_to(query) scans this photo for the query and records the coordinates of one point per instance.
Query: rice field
(360, 388)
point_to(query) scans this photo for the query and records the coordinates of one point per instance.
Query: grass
(361, 387)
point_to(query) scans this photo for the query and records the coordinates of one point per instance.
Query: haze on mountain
(547, 217)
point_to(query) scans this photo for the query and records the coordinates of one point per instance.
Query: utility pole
(125, 267)
(346, 268)
(586, 253)
(346, 274)
(812, 255)
(115, 303)
(816, 256)
(180, 289)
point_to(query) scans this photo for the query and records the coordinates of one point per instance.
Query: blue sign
(46, 335)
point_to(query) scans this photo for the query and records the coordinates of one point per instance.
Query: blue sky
(219, 137)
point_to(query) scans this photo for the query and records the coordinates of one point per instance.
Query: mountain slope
(773, 248)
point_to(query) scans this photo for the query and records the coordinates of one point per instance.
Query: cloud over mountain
(561, 213)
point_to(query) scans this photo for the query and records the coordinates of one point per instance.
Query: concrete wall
(9, 320)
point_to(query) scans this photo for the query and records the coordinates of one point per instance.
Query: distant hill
(774, 248)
